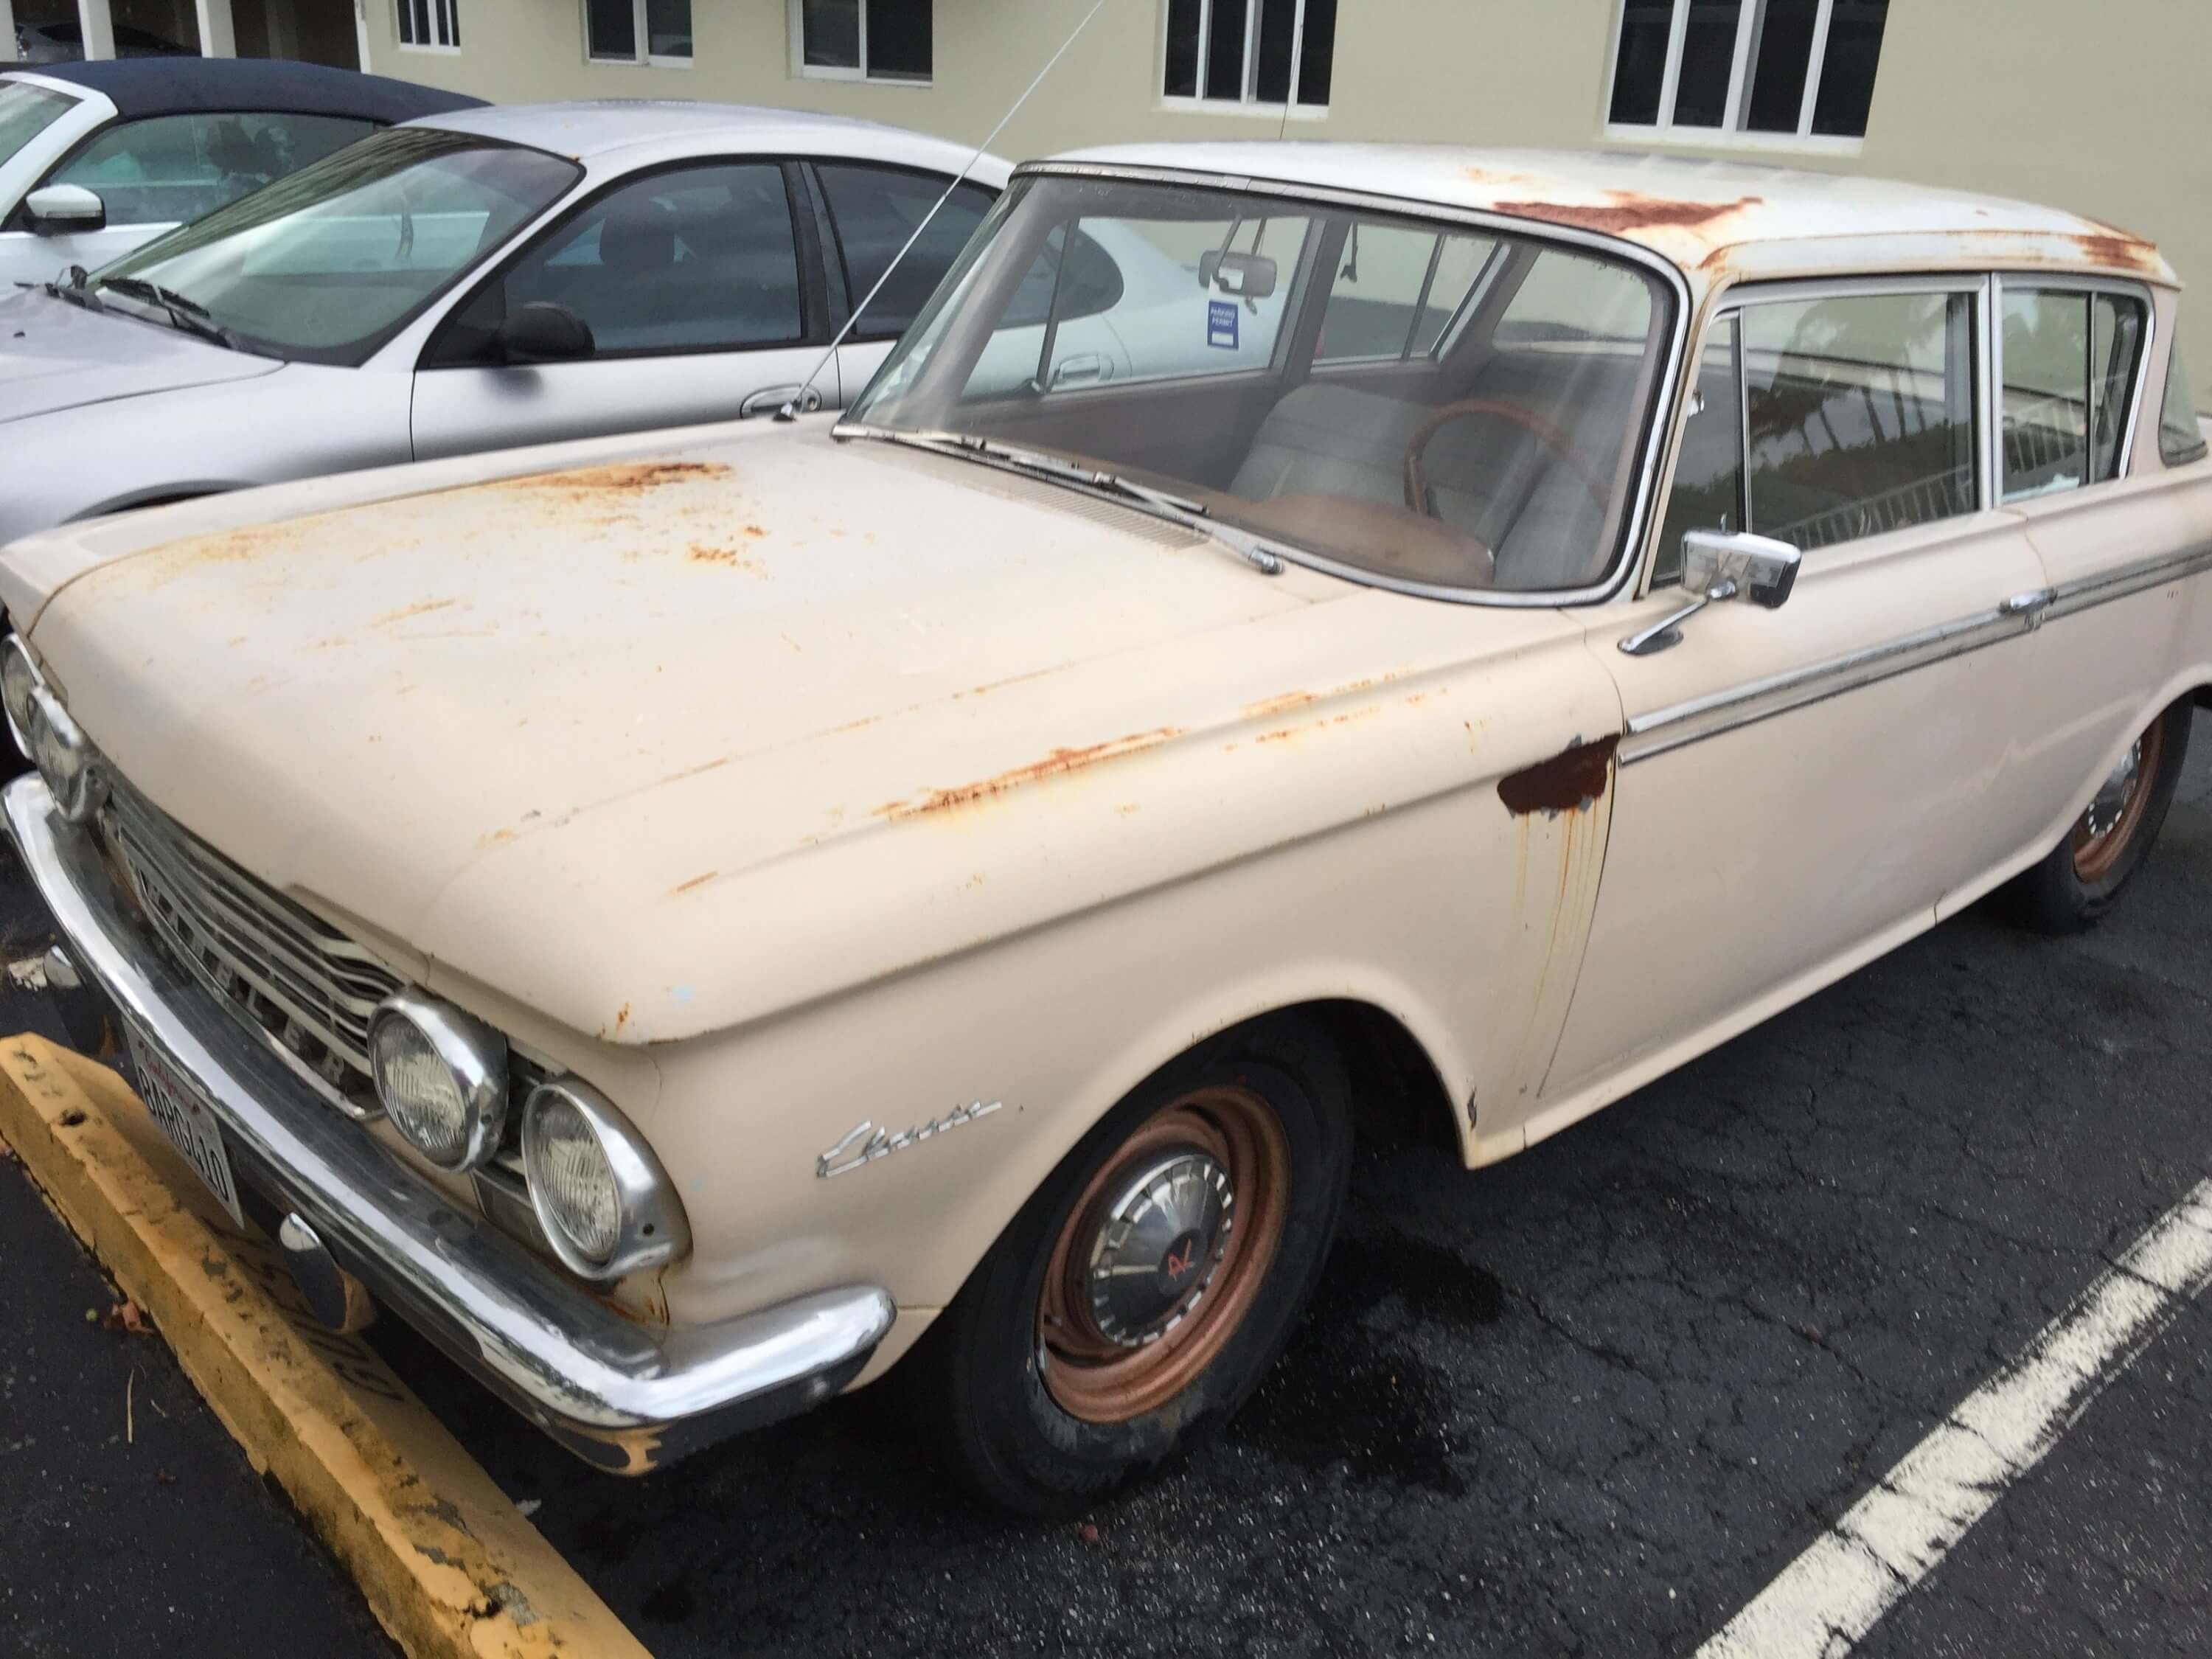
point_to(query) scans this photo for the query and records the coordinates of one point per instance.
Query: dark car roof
(186, 85)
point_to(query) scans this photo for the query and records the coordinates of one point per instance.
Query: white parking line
(1894, 1537)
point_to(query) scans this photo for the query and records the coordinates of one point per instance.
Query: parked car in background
(63, 42)
(490, 278)
(693, 920)
(96, 159)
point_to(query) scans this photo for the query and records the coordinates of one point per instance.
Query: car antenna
(790, 410)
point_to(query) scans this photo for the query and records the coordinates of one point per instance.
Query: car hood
(54, 356)
(654, 745)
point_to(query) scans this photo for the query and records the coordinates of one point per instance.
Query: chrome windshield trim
(621, 1393)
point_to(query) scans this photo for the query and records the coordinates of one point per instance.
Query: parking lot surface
(1588, 1402)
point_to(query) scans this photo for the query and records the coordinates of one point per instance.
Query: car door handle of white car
(774, 398)
(1089, 366)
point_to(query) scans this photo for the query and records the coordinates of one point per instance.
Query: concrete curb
(451, 1568)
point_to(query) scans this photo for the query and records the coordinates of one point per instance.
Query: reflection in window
(1860, 413)
(2180, 433)
(2070, 360)
(171, 169)
(1794, 68)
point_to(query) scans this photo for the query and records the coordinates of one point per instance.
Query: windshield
(26, 111)
(324, 266)
(1438, 403)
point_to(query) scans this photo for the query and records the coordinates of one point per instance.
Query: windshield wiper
(1177, 509)
(73, 289)
(185, 313)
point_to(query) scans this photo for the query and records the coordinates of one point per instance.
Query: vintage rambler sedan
(692, 922)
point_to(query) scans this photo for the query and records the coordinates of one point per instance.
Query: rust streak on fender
(1060, 762)
(1626, 210)
(1567, 782)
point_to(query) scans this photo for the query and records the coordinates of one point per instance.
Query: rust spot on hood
(1058, 762)
(407, 611)
(1567, 782)
(1624, 211)
(629, 478)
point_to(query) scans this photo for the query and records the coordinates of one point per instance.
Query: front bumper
(626, 1396)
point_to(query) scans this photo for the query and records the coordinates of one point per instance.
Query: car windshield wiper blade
(187, 313)
(1180, 509)
(74, 290)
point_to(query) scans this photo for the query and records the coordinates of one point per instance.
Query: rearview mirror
(1755, 568)
(1247, 275)
(57, 209)
(544, 332)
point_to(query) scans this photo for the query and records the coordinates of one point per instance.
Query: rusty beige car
(696, 922)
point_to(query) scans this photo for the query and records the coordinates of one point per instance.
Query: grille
(306, 985)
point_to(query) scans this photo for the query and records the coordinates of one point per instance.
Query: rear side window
(875, 209)
(172, 169)
(2180, 435)
(2069, 372)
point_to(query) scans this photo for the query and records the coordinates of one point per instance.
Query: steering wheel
(1417, 482)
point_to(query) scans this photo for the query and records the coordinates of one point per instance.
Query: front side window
(875, 210)
(1168, 334)
(1746, 70)
(638, 32)
(324, 266)
(430, 25)
(2180, 433)
(26, 111)
(172, 169)
(1271, 52)
(2069, 368)
(863, 39)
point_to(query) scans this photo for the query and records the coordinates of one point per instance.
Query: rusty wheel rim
(1162, 1255)
(2104, 832)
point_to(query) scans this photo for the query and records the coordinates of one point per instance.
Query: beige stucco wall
(2097, 109)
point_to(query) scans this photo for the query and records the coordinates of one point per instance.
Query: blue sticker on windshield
(1221, 324)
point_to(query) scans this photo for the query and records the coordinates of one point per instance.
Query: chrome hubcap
(2104, 813)
(1158, 1247)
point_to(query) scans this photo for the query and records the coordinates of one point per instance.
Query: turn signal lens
(441, 1078)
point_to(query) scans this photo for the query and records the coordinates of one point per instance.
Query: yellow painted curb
(451, 1568)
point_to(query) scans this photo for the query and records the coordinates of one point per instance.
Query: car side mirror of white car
(544, 332)
(1719, 565)
(56, 210)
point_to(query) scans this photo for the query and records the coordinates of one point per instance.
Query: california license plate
(175, 1102)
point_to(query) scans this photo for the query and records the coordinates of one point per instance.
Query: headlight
(46, 733)
(601, 1196)
(19, 680)
(441, 1078)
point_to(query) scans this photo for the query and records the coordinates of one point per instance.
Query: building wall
(2095, 109)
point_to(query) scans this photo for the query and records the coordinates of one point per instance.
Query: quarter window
(1708, 493)
(1746, 70)
(862, 40)
(1275, 52)
(168, 169)
(1396, 291)
(2180, 433)
(2068, 365)
(430, 25)
(638, 32)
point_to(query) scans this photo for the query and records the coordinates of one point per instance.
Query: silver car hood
(54, 354)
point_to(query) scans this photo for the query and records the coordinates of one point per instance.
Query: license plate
(177, 1105)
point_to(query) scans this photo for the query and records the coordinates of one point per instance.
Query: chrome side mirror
(1719, 565)
(58, 208)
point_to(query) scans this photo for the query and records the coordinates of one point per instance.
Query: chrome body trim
(622, 1395)
(2084, 593)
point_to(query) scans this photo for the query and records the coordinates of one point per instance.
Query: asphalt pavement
(1588, 1402)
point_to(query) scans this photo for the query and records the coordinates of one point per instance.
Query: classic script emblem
(867, 1143)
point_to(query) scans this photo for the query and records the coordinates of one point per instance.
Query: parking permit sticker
(1221, 324)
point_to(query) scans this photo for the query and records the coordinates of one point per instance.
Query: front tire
(1143, 1290)
(2085, 873)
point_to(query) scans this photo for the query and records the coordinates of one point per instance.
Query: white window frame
(805, 70)
(1248, 101)
(637, 33)
(445, 17)
(1731, 132)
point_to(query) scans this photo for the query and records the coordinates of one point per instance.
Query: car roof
(185, 85)
(1716, 220)
(585, 130)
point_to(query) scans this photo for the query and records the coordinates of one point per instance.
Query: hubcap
(2104, 814)
(2103, 833)
(1158, 1247)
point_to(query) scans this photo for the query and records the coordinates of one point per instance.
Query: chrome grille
(308, 986)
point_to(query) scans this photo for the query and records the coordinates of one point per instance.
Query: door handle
(2029, 606)
(1073, 371)
(768, 399)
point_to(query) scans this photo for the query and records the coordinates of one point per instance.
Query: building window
(1270, 52)
(430, 25)
(862, 40)
(638, 32)
(1750, 71)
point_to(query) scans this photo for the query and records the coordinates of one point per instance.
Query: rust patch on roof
(1624, 211)
(702, 554)
(1056, 764)
(2120, 249)
(1267, 705)
(1567, 782)
(629, 478)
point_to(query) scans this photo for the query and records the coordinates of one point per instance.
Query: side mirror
(1719, 565)
(544, 333)
(55, 209)
(1247, 275)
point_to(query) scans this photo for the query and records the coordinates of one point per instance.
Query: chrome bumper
(626, 1396)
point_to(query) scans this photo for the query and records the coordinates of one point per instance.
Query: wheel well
(1397, 1095)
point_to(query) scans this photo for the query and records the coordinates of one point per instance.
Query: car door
(1798, 787)
(870, 212)
(156, 172)
(701, 307)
